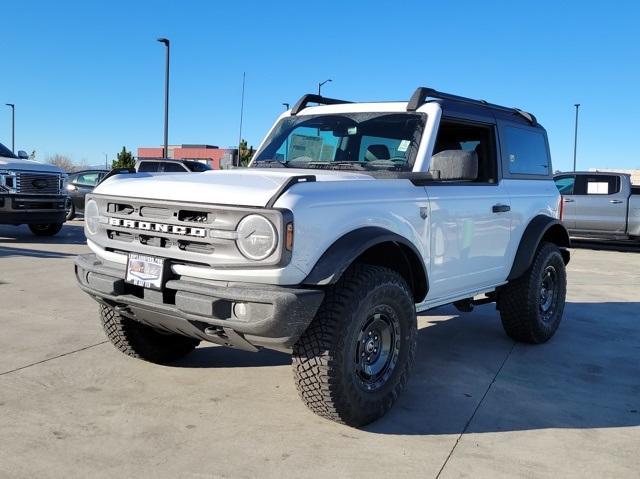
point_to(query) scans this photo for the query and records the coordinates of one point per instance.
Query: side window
(565, 184)
(464, 152)
(600, 185)
(173, 167)
(87, 179)
(148, 166)
(526, 151)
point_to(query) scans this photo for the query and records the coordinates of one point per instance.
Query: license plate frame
(146, 271)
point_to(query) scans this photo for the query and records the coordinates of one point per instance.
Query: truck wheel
(48, 229)
(531, 306)
(353, 361)
(142, 342)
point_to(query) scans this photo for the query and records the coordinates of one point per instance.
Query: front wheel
(143, 342)
(354, 360)
(531, 306)
(48, 229)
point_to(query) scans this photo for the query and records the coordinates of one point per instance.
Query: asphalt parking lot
(478, 405)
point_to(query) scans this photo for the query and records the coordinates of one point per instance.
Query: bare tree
(62, 161)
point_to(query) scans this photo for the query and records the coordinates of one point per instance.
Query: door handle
(500, 208)
(568, 200)
(615, 202)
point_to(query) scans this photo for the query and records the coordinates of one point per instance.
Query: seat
(377, 152)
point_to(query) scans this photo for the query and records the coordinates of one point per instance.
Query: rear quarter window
(525, 151)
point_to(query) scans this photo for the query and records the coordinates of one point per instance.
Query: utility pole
(241, 114)
(13, 127)
(167, 44)
(106, 161)
(575, 137)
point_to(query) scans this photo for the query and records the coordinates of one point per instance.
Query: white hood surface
(27, 165)
(242, 187)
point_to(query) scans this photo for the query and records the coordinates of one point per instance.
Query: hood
(241, 187)
(27, 165)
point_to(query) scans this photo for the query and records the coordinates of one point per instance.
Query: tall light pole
(322, 83)
(244, 74)
(13, 126)
(575, 137)
(166, 97)
(286, 106)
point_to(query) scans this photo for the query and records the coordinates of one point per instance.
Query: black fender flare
(345, 250)
(540, 228)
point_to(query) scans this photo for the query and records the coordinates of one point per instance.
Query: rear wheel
(49, 229)
(142, 342)
(531, 306)
(355, 358)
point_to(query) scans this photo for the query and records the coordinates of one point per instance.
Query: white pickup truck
(600, 204)
(351, 218)
(31, 193)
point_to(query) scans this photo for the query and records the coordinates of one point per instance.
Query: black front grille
(38, 183)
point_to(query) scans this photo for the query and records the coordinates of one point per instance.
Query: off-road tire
(142, 342)
(520, 301)
(49, 229)
(325, 372)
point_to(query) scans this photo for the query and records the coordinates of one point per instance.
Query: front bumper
(275, 316)
(32, 209)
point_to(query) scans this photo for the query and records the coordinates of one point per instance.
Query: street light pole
(575, 138)
(286, 106)
(322, 83)
(166, 43)
(13, 126)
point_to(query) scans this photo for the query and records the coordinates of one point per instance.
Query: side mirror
(23, 155)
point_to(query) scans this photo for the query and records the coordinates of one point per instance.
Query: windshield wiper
(271, 164)
(335, 165)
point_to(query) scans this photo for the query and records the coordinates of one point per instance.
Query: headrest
(377, 152)
(454, 165)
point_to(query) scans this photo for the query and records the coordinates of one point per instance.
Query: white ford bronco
(351, 218)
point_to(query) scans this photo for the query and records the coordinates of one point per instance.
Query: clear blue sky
(87, 77)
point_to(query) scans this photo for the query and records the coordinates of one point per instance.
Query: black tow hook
(122, 309)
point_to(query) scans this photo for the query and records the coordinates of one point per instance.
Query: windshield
(6, 152)
(359, 141)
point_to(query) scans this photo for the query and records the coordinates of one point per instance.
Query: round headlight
(91, 216)
(257, 237)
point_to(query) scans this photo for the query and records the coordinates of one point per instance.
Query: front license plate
(146, 271)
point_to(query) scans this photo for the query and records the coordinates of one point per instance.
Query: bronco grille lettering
(158, 227)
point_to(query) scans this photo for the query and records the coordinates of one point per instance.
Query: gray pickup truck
(600, 205)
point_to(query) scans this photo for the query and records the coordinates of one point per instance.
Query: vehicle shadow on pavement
(606, 245)
(587, 376)
(72, 233)
(214, 356)
(35, 253)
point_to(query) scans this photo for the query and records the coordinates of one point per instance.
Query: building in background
(635, 173)
(216, 158)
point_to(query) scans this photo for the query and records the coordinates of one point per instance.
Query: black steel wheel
(354, 360)
(531, 306)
